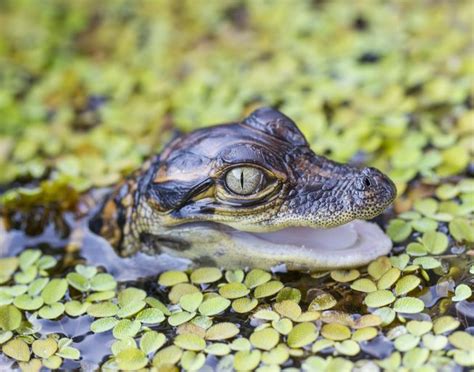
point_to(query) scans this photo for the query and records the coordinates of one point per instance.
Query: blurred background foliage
(90, 88)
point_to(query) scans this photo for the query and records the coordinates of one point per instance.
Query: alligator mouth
(298, 248)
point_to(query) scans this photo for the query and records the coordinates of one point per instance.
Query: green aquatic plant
(386, 85)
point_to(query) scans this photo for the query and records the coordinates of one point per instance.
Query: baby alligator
(250, 193)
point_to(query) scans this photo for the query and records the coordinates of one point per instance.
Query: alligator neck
(114, 219)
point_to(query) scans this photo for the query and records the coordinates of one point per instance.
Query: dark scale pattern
(187, 183)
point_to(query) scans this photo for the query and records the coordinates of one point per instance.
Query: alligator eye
(367, 182)
(244, 180)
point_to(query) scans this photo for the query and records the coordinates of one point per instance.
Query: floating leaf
(191, 361)
(123, 344)
(424, 224)
(461, 340)
(462, 230)
(44, 348)
(335, 332)
(78, 281)
(447, 191)
(406, 284)
(364, 285)
(388, 279)
(180, 317)
(102, 309)
(379, 267)
(26, 302)
(189, 341)
(434, 343)
(268, 289)
(279, 355)
(206, 275)
(415, 358)
(36, 286)
(266, 314)
(364, 334)
(10, 318)
(103, 282)
(288, 308)
(171, 278)
(435, 242)
(233, 290)
(462, 292)
(427, 206)
(180, 290)
(302, 334)
(445, 324)
(103, 324)
(8, 266)
(5, 336)
(150, 316)
(321, 302)
(419, 328)
(217, 349)
(131, 359)
(169, 355)
(283, 326)
(100, 296)
(288, 293)
(126, 328)
(400, 262)
(214, 306)
(26, 276)
(321, 345)
(348, 347)
(191, 301)
(463, 357)
(256, 277)
(406, 342)
(345, 276)
(153, 302)
(416, 249)
(222, 331)
(379, 298)
(130, 295)
(28, 257)
(367, 320)
(265, 339)
(87, 272)
(308, 316)
(76, 308)
(398, 230)
(45, 263)
(52, 311)
(408, 305)
(427, 262)
(234, 276)
(247, 360)
(54, 291)
(131, 308)
(17, 349)
(151, 341)
(241, 344)
(244, 305)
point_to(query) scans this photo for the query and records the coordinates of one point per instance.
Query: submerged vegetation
(89, 89)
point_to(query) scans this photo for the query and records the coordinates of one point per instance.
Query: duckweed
(404, 107)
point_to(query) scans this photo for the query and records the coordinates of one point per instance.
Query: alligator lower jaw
(303, 248)
(351, 245)
(298, 248)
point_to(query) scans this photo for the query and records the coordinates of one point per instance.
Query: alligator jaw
(299, 248)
